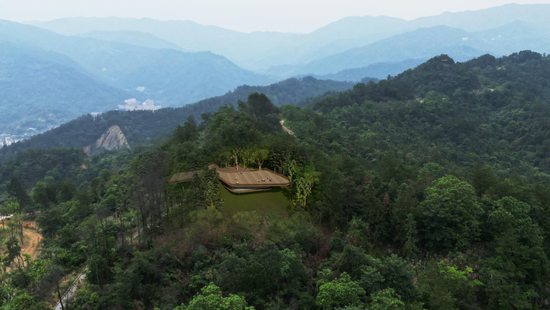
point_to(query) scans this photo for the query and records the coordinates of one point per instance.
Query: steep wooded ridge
(429, 190)
(142, 126)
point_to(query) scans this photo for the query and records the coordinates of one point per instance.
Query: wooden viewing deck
(239, 181)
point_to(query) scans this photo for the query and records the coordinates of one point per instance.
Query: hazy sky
(243, 15)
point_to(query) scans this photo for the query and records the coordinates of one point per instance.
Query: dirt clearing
(32, 241)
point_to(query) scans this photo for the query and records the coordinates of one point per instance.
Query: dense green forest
(428, 190)
(142, 126)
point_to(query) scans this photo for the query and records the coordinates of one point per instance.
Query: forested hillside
(429, 190)
(485, 111)
(142, 126)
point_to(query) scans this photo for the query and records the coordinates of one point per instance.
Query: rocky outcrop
(112, 140)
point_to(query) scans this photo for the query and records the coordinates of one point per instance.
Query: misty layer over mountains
(263, 50)
(58, 70)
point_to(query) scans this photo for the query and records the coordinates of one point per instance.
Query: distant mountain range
(172, 77)
(425, 42)
(419, 44)
(263, 50)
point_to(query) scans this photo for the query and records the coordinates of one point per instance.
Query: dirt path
(290, 132)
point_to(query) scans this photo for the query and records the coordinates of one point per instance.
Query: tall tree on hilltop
(257, 106)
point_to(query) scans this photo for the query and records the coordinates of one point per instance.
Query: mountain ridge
(261, 50)
(133, 38)
(423, 43)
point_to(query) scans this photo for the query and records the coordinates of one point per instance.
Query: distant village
(134, 105)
